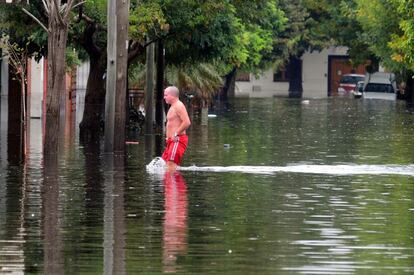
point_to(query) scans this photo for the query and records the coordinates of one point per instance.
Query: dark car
(348, 82)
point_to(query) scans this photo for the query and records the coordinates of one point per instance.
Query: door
(338, 66)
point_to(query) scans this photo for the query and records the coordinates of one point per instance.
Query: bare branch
(78, 4)
(62, 8)
(86, 18)
(58, 15)
(35, 19)
(70, 3)
(134, 50)
(46, 6)
(89, 20)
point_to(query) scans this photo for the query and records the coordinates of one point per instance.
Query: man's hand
(175, 137)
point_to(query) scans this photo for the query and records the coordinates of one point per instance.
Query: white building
(321, 72)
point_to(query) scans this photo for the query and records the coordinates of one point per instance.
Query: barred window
(243, 76)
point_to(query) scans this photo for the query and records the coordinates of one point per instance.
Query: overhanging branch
(35, 19)
(78, 4)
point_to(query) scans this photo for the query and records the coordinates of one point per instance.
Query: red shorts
(174, 151)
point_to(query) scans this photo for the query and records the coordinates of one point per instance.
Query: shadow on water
(114, 215)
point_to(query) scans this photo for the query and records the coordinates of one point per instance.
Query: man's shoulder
(179, 104)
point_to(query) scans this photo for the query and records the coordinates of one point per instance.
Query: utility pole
(116, 80)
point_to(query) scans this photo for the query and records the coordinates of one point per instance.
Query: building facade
(321, 72)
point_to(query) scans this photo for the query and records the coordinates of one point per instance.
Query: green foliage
(95, 12)
(200, 33)
(147, 20)
(347, 31)
(386, 34)
(72, 59)
(23, 30)
(402, 41)
(263, 24)
(96, 9)
(307, 29)
(201, 79)
(239, 33)
(17, 56)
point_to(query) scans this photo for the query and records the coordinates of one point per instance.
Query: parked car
(377, 86)
(348, 83)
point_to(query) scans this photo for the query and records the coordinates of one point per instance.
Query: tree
(57, 14)
(390, 37)
(18, 62)
(58, 24)
(344, 29)
(199, 80)
(306, 31)
(89, 38)
(191, 32)
(401, 38)
(260, 24)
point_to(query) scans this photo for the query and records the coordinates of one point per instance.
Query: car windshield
(351, 79)
(379, 88)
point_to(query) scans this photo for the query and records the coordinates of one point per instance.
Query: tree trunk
(159, 107)
(57, 38)
(409, 89)
(93, 114)
(149, 90)
(294, 72)
(14, 123)
(23, 116)
(229, 85)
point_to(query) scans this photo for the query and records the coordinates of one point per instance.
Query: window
(243, 76)
(351, 79)
(280, 75)
(379, 88)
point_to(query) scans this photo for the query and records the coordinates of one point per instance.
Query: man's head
(171, 94)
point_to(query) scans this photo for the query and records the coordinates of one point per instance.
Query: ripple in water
(351, 169)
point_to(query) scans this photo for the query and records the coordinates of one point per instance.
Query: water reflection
(52, 219)
(12, 223)
(114, 215)
(175, 221)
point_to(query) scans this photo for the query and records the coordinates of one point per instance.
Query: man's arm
(185, 120)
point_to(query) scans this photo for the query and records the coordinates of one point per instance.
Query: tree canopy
(248, 35)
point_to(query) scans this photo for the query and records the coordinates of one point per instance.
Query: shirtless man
(177, 124)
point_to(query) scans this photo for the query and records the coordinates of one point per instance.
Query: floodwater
(269, 186)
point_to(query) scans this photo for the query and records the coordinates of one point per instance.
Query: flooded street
(269, 186)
